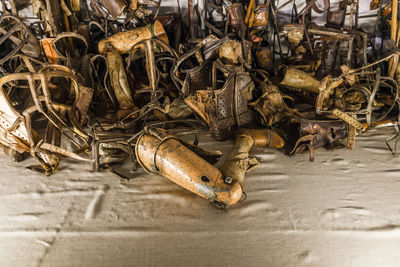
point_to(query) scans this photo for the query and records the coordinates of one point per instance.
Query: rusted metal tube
(151, 65)
(158, 152)
(124, 41)
(393, 31)
(191, 16)
(393, 61)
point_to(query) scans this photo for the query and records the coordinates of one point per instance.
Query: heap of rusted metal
(106, 81)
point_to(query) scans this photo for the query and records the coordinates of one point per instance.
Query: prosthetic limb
(301, 80)
(123, 42)
(239, 162)
(159, 152)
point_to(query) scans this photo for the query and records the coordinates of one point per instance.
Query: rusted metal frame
(30, 79)
(159, 42)
(52, 16)
(310, 5)
(205, 9)
(219, 66)
(165, 75)
(395, 137)
(337, 48)
(14, 29)
(143, 111)
(324, 48)
(370, 94)
(77, 129)
(378, 18)
(316, 8)
(294, 16)
(13, 7)
(15, 51)
(356, 15)
(348, 36)
(152, 71)
(303, 19)
(97, 141)
(371, 98)
(32, 150)
(81, 135)
(393, 32)
(20, 25)
(162, 124)
(371, 64)
(349, 52)
(52, 134)
(364, 38)
(272, 8)
(175, 69)
(334, 34)
(307, 138)
(42, 146)
(97, 24)
(316, 133)
(4, 8)
(214, 29)
(307, 11)
(48, 101)
(27, 60)
(393, 63)
(49, 104)
(105, 86)
(395, 87)
(69, 36)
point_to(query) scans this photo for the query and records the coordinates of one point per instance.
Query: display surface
(341, 210)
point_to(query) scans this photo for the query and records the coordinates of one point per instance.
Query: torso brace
(226, 107)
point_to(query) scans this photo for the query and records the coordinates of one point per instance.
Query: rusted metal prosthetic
(312, 134)
(239, 161)
(158, 152)
(124, 41)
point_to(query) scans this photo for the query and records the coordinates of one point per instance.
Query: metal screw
(228, 180)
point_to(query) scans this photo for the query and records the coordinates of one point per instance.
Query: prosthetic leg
(239, 162)
(159, 152)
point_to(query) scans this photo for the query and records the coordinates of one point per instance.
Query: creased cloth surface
(340, 210)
